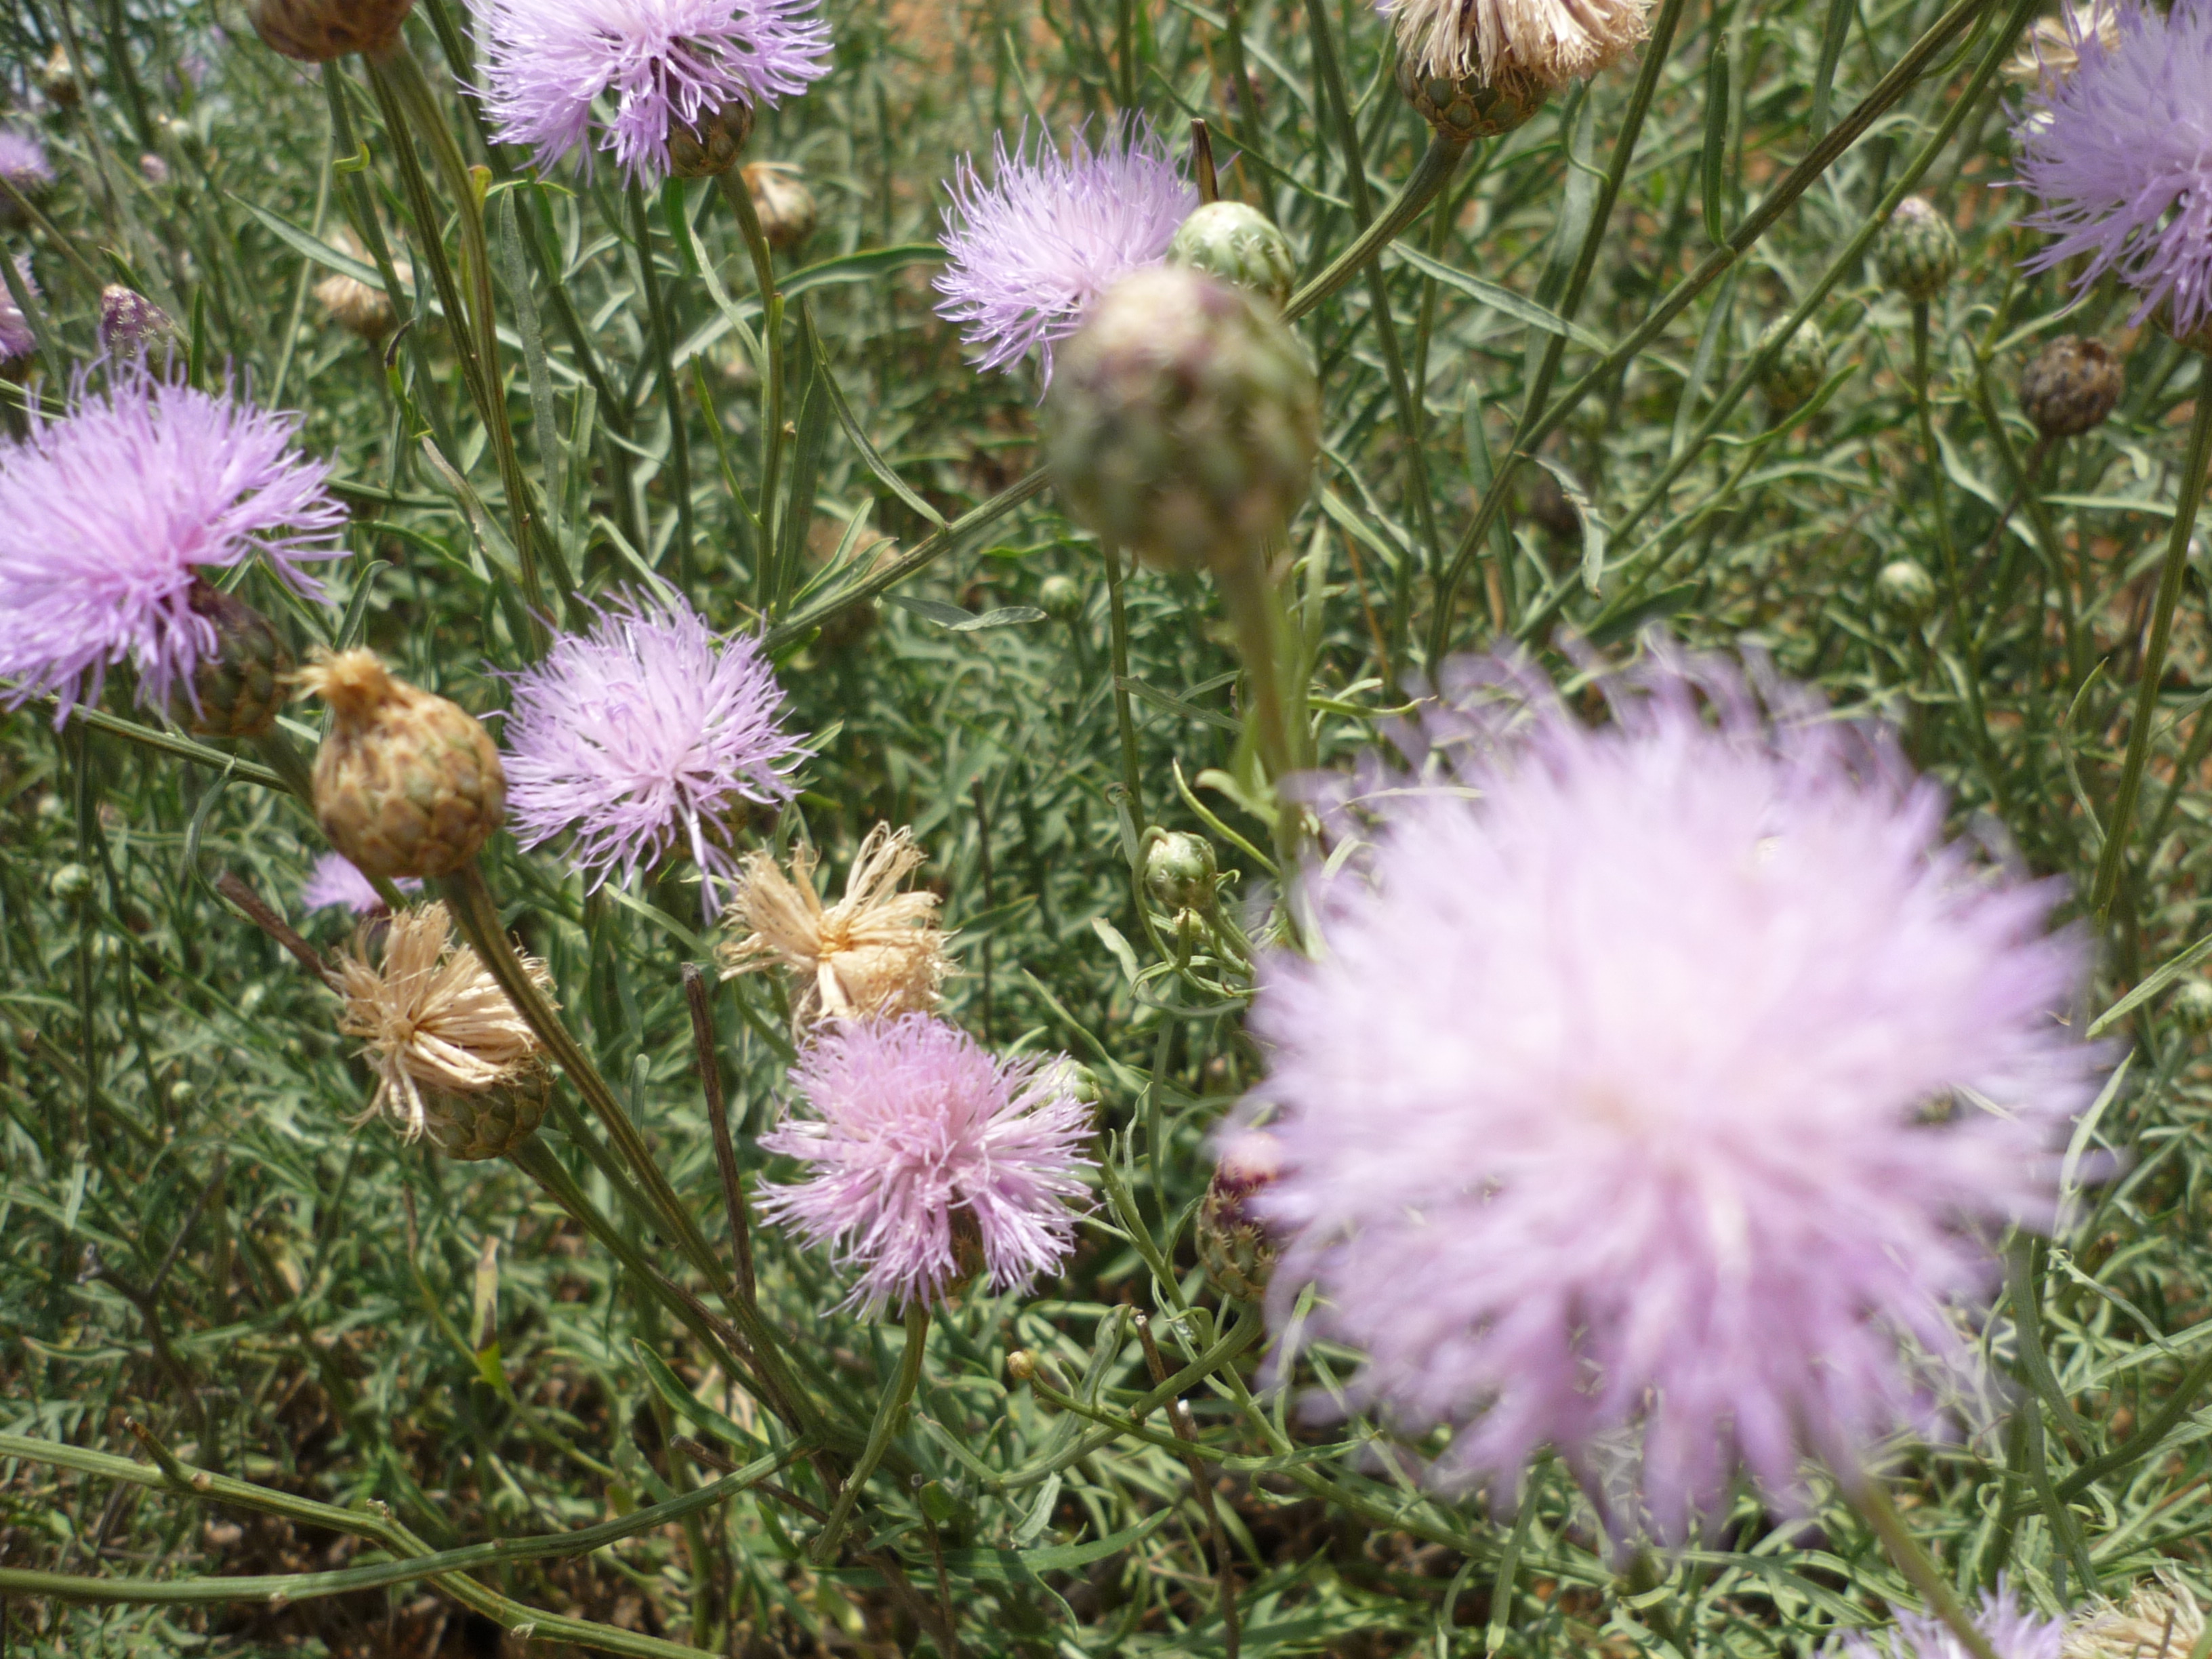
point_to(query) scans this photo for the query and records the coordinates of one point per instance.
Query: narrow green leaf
(1498, 299)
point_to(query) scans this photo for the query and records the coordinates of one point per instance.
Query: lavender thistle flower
(1657, 1085)
(644, 735)
(23, 162)
(663, 65)
(108, 515)
(17, 339)
(927, 1156)
(2014, 1630)
(336, 882)
(1031, 252)
(2115, 150)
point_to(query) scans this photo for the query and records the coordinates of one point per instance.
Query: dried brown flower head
(2160, 1620)
(1507, 43)
(876, 951)
(447, 1047)
(2050, 51)
(353, 305)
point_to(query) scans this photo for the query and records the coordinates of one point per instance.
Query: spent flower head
(335, 883)
(663, 66)
(109, 513)
(1031, 253)
(2014, 1631)
(2117, 152)
(646, 735)
(924, 1149)
(2162, 1620)
(1657, 1085)
(2049, 51)
(17, 339)
(1515, 42)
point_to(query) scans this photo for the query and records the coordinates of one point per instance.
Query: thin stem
(1125, 719)
(1430, 174)
(1872, 1501)
(1201, 1485)
(2186, 504)
(679, 446)
(889, 1412)
(718, 1120)
(769, 577)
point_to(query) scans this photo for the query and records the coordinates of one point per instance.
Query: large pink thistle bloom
(109, 514)
(1031, 252)
(1657, 1087)
(2014, 1631)
(918, 1130)
(2120, 152)
(660, 64)
(643, 736)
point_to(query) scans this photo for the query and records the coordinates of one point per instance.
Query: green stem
(2153, 663)
(769, 579)
(1872, 1501)
(664, 351)
(1430, 176)
(889, 1411)
(2146, 1439)
(1125, 719)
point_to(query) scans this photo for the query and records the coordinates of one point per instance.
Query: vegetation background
(197, 1234)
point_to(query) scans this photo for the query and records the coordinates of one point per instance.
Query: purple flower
(1032, 251)
(17, 339)
(924, 1149)
(2014, 1630)
(107, 514)
(23, 161)
(335, 881)
(643, 736)
(661, 64)
(2120, 152)
(1657, 1086)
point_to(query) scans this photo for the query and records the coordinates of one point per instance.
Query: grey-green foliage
(200, 1235)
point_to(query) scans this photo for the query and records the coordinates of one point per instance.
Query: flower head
(431, 1017)
(643, 736)
(17, 339)
(664, 66)
(2117, 151)
(108, 513)
(2047, 52)
(2162, 1620)
(23, 161)
(1657, 1084)
(924, 1148)
(876, 951)
(1508, 42)
(336, 883)
(1032, 251)
(2014, 1630)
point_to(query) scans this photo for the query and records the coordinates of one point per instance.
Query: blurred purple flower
(643, 736)
(1031, 252)
(1657, 1085)
(17, 339)
(23, 161)
(2013, 1630)
(923, 1142)
(108, 513)
(2120, 152)
(661, 64)
(336, 881)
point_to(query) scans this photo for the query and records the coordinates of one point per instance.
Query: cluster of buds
(877, 952)
(454, 1059)
(407, 783)
(2070, 386)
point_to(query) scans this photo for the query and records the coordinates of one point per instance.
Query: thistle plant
(1080, 829)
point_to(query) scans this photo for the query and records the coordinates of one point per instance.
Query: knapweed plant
(1105, 827)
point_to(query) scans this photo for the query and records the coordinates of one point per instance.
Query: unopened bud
(153, 169)
(782, 203)
(1182, 421)
(1021, 1366)
(2193, 1002)
(1470, 108)
(1233, 1246)
(1077, 1082)
(1917, 252)
(70, 885)
(406, 784)
(238, 687)
(1905, 585)
(2070, 385)
(1180, 872)
(1239, 245)
(1060, 598)
(353, 304)
(712, 146)
(1797, 369)
(323, 31)
(128, 321)
(57, 79)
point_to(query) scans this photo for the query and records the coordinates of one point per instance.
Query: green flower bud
(1905, 585)
(239, 688)
(1182, 421)
(2193, 1002)
(1470, 108)
(1797, 370)
(1180, 872)
(1917, 252)
(1239, 245)
(70, 885)
(1079, 1081)
(713, 145)
(1061, 597)
(2070, 385)
(486, 1123)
